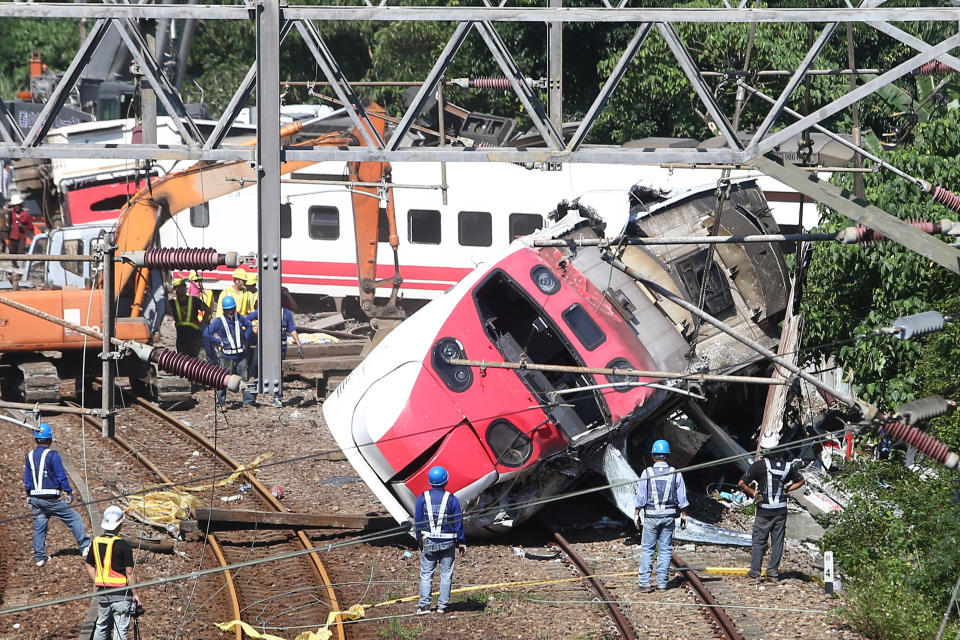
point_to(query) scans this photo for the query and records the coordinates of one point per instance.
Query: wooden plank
(221, 519)
(349, 348)
(341, 363)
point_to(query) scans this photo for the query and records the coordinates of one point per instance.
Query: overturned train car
(510, 438)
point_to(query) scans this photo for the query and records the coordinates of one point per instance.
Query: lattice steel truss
(274, 22)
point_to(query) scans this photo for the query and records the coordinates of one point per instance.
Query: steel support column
(268, 192)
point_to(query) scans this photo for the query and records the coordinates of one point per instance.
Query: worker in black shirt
(775, 477)
(110, 565)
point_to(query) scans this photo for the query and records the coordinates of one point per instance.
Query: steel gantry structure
(274, 21)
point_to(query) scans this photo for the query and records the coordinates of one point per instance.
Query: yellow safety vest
(207, 297)
(106, 576)
(242, 299)
(188, 319)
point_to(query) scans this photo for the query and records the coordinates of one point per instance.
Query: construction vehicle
(139, 292)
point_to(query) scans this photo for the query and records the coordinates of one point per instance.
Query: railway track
(632, 616)
(295, 594)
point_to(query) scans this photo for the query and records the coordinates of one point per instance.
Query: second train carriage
(488, 206)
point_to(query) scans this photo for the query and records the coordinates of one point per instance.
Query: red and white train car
(507, 437)
(488, 206)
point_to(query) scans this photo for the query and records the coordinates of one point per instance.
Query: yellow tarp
(170, 506)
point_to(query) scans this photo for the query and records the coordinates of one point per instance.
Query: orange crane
(22, 337)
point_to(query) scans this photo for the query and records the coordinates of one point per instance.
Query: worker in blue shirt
(661, 496)
(439, 531)
(287, 327)
(44, 479)
(230, 333)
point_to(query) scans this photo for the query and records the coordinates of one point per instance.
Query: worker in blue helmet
(439, 531)
(231, 334)
(661, 498)
(44, 478)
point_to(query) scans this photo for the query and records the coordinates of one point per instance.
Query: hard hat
(769, 440)
(660, 447)
(252, 279)
(44, 432)
(16, 198)
(112, 518)
(240, 274)
(438, 476)
(177, 282)
(229, 303)
(193, 276)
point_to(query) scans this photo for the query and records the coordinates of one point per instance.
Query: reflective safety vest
(773, 496)
(106, 576)
(234, 344)
(36, 474)
(435, 518)
(188, 319)
(207, 297)
(661, 493)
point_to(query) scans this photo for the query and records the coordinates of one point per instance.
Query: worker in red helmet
(21, 225)
(439, 531)
(44, 479)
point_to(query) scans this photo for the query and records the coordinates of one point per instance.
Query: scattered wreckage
(513, 438)
(567, 354)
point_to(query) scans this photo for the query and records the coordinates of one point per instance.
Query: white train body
(488, 205)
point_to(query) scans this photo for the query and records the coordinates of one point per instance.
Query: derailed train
(510, 438)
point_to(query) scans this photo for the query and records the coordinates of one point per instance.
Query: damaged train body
(512, 437)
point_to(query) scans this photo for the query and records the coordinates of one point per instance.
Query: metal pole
(268, 193)
(555, 70)
(868, 410)
(443, 140)
(48, 408)
(107, 248)
(148, 97)
(614, 242)
(631, 373)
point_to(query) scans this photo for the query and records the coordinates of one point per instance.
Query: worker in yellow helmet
(237, 291)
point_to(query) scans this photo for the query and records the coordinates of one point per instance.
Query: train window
(323, 223)
(200, 215)
(474, 229)
(717, 298)
(584, 327)
(511, 446)
(522, 224)
(423, 226)
(73, 248)
(286, 221)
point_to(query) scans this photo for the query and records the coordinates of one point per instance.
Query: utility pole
(555, 70)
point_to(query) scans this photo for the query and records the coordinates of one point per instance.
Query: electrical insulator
(180, 364)
(923, 442)
(924, 409)
(919, 324)
(163, 258)
(863, 234)
(947, 198)
(205, 373)
(932, 67)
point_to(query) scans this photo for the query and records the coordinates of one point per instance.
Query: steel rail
(211, 539)
(260, 489)
(623, 625)
(713, 608)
